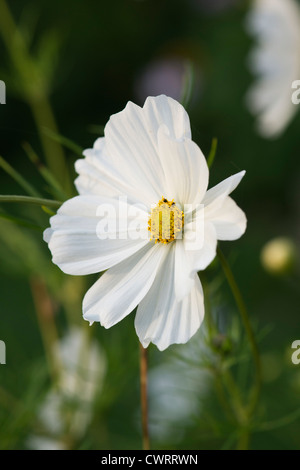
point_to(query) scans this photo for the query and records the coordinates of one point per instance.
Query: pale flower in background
(70, 404)
(177, 390)
(279, 255)
(167, 74)
(275, 61)
(148, 157)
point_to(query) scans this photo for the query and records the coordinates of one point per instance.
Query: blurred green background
(88, 59)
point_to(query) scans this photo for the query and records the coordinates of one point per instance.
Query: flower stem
(247, 325)
(45, 315)
(144, 402)
(31, 200)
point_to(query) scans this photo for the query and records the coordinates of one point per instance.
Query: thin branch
(247, 325)
(144, 401)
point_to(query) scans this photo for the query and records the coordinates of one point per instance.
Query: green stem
(243, 441)
(45, 316)
(144, 400)
(245, 319)
(235, 396)
(233, 402)
(31, 200)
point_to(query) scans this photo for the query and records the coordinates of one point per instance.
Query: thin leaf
(57, 190)
(48, 211)
(188, 83)
(18, 178)
(212, 153)
(64, 141)
(31, 200)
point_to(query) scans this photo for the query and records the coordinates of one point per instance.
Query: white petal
(185, 168)
(47, 234)
(160, 318)
(86, 239)
(122, 287)
(200, 247)
(126, 161)
(184, 270)
(192, 254)
(216, 195)
(99, 143)
(229, 220)
(129, 140)
(98, 175)
(163, 110)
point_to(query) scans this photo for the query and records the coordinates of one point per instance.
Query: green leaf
(31, 200)
(48, 211)
(212, 153)
(18, 178)
(64, 141)
(55, 186)
(48, 52)
(188, 83)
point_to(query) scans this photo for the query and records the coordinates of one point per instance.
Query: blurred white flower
(154, 242)
(67, 408)
(275, 60)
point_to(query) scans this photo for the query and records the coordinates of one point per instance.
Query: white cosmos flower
(146, 153)
(275, 60)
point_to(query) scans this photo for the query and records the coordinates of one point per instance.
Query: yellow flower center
(166, 221)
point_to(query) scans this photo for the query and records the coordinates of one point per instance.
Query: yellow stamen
(166, 221)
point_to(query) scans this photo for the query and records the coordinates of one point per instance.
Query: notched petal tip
(47, 234)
